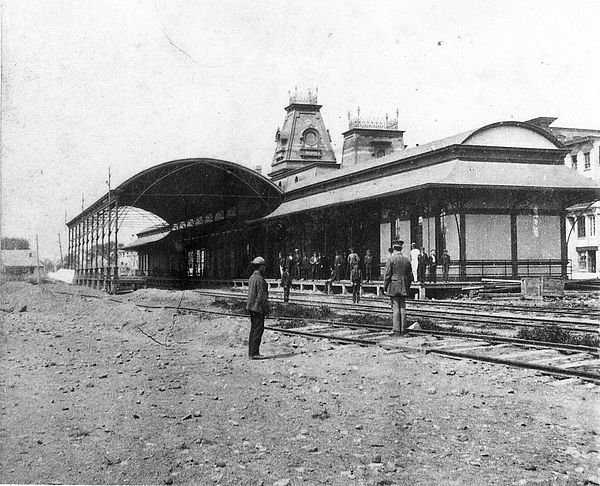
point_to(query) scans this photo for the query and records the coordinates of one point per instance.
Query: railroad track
(443, 313)
(565, 361)
(560, 360)
(587, 313)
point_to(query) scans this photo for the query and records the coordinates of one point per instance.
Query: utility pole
(60, 248)
(37, 255)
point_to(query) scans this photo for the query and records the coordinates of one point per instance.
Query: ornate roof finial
(386, 123)
(307, 97)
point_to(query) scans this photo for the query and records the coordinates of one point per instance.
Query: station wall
(488, 237)
(538, 236)
(449, 230)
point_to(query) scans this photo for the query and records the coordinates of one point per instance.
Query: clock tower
(303, 140)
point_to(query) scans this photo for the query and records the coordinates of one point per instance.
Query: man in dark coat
(396, 284)
(423, 261)
(258, 306)
(432, 266)
(338, 265)
(286, 283)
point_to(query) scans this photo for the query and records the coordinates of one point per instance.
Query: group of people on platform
(424, 265)
(318, 266)
(400, 272)
(295, 266)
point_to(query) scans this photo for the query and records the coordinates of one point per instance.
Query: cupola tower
(368, 139)
(303, 140)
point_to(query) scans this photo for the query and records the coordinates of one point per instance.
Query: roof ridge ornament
(308, 98)
(386, 123)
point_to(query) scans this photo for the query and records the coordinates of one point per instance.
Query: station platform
(343, 287)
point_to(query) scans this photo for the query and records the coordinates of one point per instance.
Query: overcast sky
(131, 84)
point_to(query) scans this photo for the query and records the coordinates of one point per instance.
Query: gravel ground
(99, 392)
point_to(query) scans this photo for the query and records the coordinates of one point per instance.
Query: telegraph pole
(60, 248)
(37, 255)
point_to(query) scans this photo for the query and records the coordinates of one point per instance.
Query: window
(574, 161)
(581, 227)
(582, 260)
(592, 225)
(586, 160)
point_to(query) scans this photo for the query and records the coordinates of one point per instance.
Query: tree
(48, 265)
(14, 244)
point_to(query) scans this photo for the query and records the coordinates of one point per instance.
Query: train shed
(194, 198)
(494, 197)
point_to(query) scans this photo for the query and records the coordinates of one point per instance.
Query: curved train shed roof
(187, 188)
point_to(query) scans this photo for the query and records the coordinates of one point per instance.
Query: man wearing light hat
(396, 284)
(258, 306)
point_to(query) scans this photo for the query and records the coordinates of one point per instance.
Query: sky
(88, 85)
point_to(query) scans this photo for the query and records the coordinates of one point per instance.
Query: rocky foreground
(99, 392)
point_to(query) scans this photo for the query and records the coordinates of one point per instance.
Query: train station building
(494, 197)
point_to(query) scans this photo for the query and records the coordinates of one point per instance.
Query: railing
(507, 268)
(477, 269)
(375, 124)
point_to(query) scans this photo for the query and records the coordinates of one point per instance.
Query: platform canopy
(458, 174)
(498, 157)
(180, 190)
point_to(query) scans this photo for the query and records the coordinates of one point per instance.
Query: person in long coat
(338, 265)
(258, 306)
(422, 263)
(396, 284)
(433, 266)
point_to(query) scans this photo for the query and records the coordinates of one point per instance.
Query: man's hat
(259, 261)
(397, 243)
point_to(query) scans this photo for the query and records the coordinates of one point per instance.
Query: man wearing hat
(258, 306)
(396, 284)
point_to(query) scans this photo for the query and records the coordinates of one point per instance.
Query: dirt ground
(98, 392)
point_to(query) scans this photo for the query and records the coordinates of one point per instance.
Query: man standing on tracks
(396, 284)
(258, 306)
(286, 283)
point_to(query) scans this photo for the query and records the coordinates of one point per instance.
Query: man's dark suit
(398, 277)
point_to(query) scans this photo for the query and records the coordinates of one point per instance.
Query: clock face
(311, 137)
